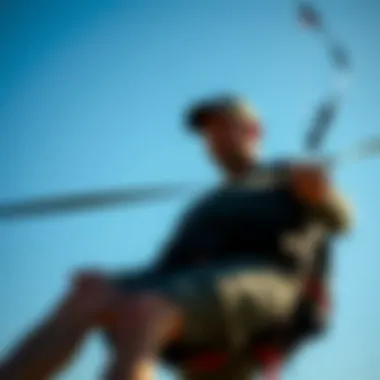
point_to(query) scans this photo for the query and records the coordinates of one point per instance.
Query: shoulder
(198, 207)
(267, 175)
(204, 200)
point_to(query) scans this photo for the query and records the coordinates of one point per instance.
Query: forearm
(335, 212)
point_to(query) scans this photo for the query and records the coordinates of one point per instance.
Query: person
(234, 269)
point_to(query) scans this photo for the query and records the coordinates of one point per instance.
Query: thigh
(191, 290)
(222, 304)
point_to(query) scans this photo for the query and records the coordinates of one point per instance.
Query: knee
(148, 314)
(150, 308)
(87, 280)
(89, 292)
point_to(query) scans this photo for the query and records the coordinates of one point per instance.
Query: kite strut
(327, 110)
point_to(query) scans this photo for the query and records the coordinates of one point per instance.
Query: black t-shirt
(256, 216)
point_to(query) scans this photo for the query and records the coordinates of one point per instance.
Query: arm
(314, 189)
(336, 213)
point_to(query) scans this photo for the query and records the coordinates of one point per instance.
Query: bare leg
(48, 348)
(152, 323)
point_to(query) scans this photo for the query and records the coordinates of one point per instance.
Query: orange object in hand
(310, 183)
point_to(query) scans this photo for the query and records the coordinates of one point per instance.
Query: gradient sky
(91, 94)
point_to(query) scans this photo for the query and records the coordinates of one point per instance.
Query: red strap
(207, 362)
(271, 358)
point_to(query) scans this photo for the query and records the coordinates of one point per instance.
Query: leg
(152, 323)
(50, 345)
(219, 306)
(184, 308)
(160, 309)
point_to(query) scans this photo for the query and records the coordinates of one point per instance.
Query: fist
(310, 183)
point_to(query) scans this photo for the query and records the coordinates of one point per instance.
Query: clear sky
(91, 94)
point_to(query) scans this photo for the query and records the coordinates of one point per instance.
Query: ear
(258, 130)
(210, 119)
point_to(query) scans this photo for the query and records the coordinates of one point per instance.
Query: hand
(310, 183)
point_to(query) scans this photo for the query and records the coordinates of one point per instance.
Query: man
(235, 268)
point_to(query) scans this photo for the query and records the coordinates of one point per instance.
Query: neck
(234, 170)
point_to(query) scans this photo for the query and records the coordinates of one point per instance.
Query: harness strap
(270, 358)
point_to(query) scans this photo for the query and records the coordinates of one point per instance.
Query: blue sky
(91, 96)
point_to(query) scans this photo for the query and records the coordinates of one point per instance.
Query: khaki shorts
(224, 304)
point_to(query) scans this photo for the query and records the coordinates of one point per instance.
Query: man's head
(231, 131)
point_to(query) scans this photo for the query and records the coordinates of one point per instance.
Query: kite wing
(91, 200)
(327, 111)
(308, 16)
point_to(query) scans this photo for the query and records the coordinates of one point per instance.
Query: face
(233, 138)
